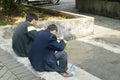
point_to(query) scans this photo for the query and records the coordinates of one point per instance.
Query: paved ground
(99, 54)
(20, 67)
(10, 69)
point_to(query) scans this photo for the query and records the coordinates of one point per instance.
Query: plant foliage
(11, 6)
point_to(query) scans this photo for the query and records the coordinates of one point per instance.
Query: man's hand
(60, 38)
(39, 29)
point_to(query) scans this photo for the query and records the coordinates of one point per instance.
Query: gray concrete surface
(95, 60)
(22, 67)
(98, 54)
(11, 69)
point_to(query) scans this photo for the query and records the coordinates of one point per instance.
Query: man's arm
(54, 44)
(31, 32)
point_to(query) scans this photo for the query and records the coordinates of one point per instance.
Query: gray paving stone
(5, 57)
(2, 54)
(12, 64)
(30, 77)
(9, 60)
(11, 69)
(6, 76)
(38, 79)
(20, 71)
(26, 74)
(3, 71)
(1, 66)
(13, 77)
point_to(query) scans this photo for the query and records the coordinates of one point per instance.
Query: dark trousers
(61, 57)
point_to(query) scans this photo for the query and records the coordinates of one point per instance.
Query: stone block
(13, 77)
(73, 28)
(101, 7)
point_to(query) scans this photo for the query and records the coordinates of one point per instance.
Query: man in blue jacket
(43, 55)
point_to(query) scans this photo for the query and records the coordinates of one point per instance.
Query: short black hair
(31, 16)
(52, 27)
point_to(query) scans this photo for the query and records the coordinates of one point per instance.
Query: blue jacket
(42, 55)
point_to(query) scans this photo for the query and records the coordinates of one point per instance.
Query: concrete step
(11, 69)
(81, 74)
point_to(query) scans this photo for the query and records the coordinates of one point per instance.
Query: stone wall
(110, 8)
(69, 28)
(72, 28)
(75, 26)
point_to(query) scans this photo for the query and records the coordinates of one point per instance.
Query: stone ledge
(81, 74)
(8, 73)
(75, 26)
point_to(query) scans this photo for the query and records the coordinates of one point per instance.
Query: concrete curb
(81, 74)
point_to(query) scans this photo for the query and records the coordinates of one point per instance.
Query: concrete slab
(81, 74)
(31, 73)
(95, 59)
(8, 73)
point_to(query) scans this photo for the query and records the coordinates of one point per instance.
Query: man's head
(32, 18)
(53, 29)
